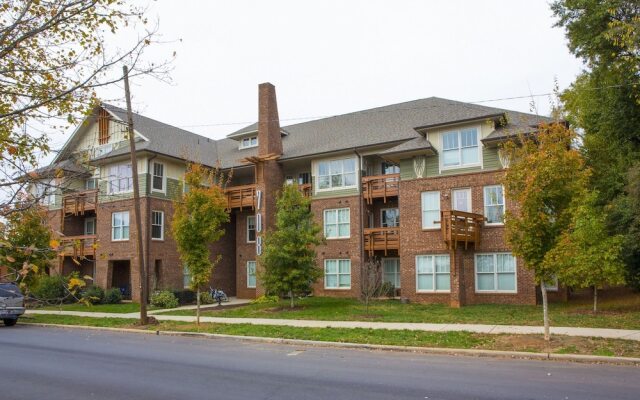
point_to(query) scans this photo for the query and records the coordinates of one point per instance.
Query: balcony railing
(381, 239)
(77, 246)
(460, 227)
(241, 197)
(380, 186)
(305, 189)
(78, 203)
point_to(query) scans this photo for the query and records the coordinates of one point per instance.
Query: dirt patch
(215, 307)
(367, 316)
(285, 309)
(150, 321)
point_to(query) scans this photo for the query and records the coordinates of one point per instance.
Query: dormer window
(249, 142)
(460, 148)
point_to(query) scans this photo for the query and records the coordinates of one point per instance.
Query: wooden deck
(77, 246)
(242, 197)
(381, 239)
(459, 227)
(380, 187)
(78, 203)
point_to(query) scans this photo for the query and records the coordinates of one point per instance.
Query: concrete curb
(380, 347)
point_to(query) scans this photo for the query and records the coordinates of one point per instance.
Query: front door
(461, 199)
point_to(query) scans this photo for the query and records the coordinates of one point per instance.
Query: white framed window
(430, 210)
(120, 179)
(336, 174)
(251, 229)
(494, 205)
(461, 199)
(90, 226)
(389, 168)
(251, 274)
(120, 225)
(552, 285)
(249, 142)
(91, 183)
(186, 277)
(337, 274)
(433, 273)
(158, 179)
(496, 272)
(157, 225)
(460, 148)
(390, 217)
(337, 223)
(391, 271)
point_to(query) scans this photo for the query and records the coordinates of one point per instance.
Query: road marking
(295, 352)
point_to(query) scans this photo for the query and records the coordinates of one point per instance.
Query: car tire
(10, 321)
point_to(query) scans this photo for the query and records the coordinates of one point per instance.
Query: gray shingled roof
(393, 124)
(419, 143)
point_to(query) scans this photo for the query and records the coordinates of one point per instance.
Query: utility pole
(136, 203)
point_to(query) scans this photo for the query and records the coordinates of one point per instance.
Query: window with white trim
(251, 274)
(249, 142)
(460, 148)
(251, 229)
(496, 272)
(433, 273)
(91, 183)
(157, 180)
(337, 223)
(120, 179)
(120, 225)
(552, 285)
(391, 271)
(90, 226)
(186, 277)
(494, 205)
(157, 225)
(338, 174)
(430, 210)
(389, 217)
(337, 274)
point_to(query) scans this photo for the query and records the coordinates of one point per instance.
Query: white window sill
(318, 190)
(157, 239)
(119, 240)
(336, 288)
(454, 167)
(494, 224)
(338, 238)
(433, 291)
(496, 291)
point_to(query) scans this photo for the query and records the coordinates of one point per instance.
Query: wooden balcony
(77, 246)
(78, 203)
(305, 189)
(460, 227)
(241, 197)
(381, 239)
(380, 187)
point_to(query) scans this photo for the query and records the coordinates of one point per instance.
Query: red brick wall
(414, 241)
(350, 248)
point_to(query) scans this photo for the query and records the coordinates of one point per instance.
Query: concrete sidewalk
(477, 328)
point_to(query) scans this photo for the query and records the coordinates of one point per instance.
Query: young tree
(545, 177)
(586, 256)
(371, 276)
(289, 256)
(54, 54)
(198, 221)
(26, 246)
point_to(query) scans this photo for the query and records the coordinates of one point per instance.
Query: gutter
(361, 210)
(147, 231)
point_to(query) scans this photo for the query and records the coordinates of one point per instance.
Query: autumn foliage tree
(198, 221)
(289, 256)
(545, 178)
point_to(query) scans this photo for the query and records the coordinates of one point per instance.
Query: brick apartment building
(416, 184)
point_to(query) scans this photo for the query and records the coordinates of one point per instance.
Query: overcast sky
(333, 57)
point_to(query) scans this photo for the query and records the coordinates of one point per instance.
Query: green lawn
(122, 308)
(457, 340)
(621, 313)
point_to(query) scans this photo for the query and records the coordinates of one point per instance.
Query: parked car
(11, 303)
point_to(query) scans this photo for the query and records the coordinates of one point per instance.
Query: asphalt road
(52, 363)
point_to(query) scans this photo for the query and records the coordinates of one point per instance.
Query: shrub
(112, 296)
(264, 299)
(205, 298)
(164, 299)
(185, 296)
(387, 289)
(93, 294)
(49, 288)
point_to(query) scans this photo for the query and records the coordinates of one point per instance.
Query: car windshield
(9, 290)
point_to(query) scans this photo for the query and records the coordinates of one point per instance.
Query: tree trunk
(291, 297)
(595, 299)
(198, 307)
(545, 311)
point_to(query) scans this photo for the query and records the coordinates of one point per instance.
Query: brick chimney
(269, 139)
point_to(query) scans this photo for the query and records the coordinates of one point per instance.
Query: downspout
(361, 210)
(148, 230)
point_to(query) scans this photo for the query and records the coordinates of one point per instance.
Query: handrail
(77, 203)
(385, 239)
(380, 186)
(78, 244)
(461, 226)
(241, 196)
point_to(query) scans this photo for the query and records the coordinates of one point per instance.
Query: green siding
(406, 169)
(490, 159)
(433, 166)
(173, 190)
(336, 193)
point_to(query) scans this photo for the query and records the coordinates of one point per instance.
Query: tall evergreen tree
(289, 256)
